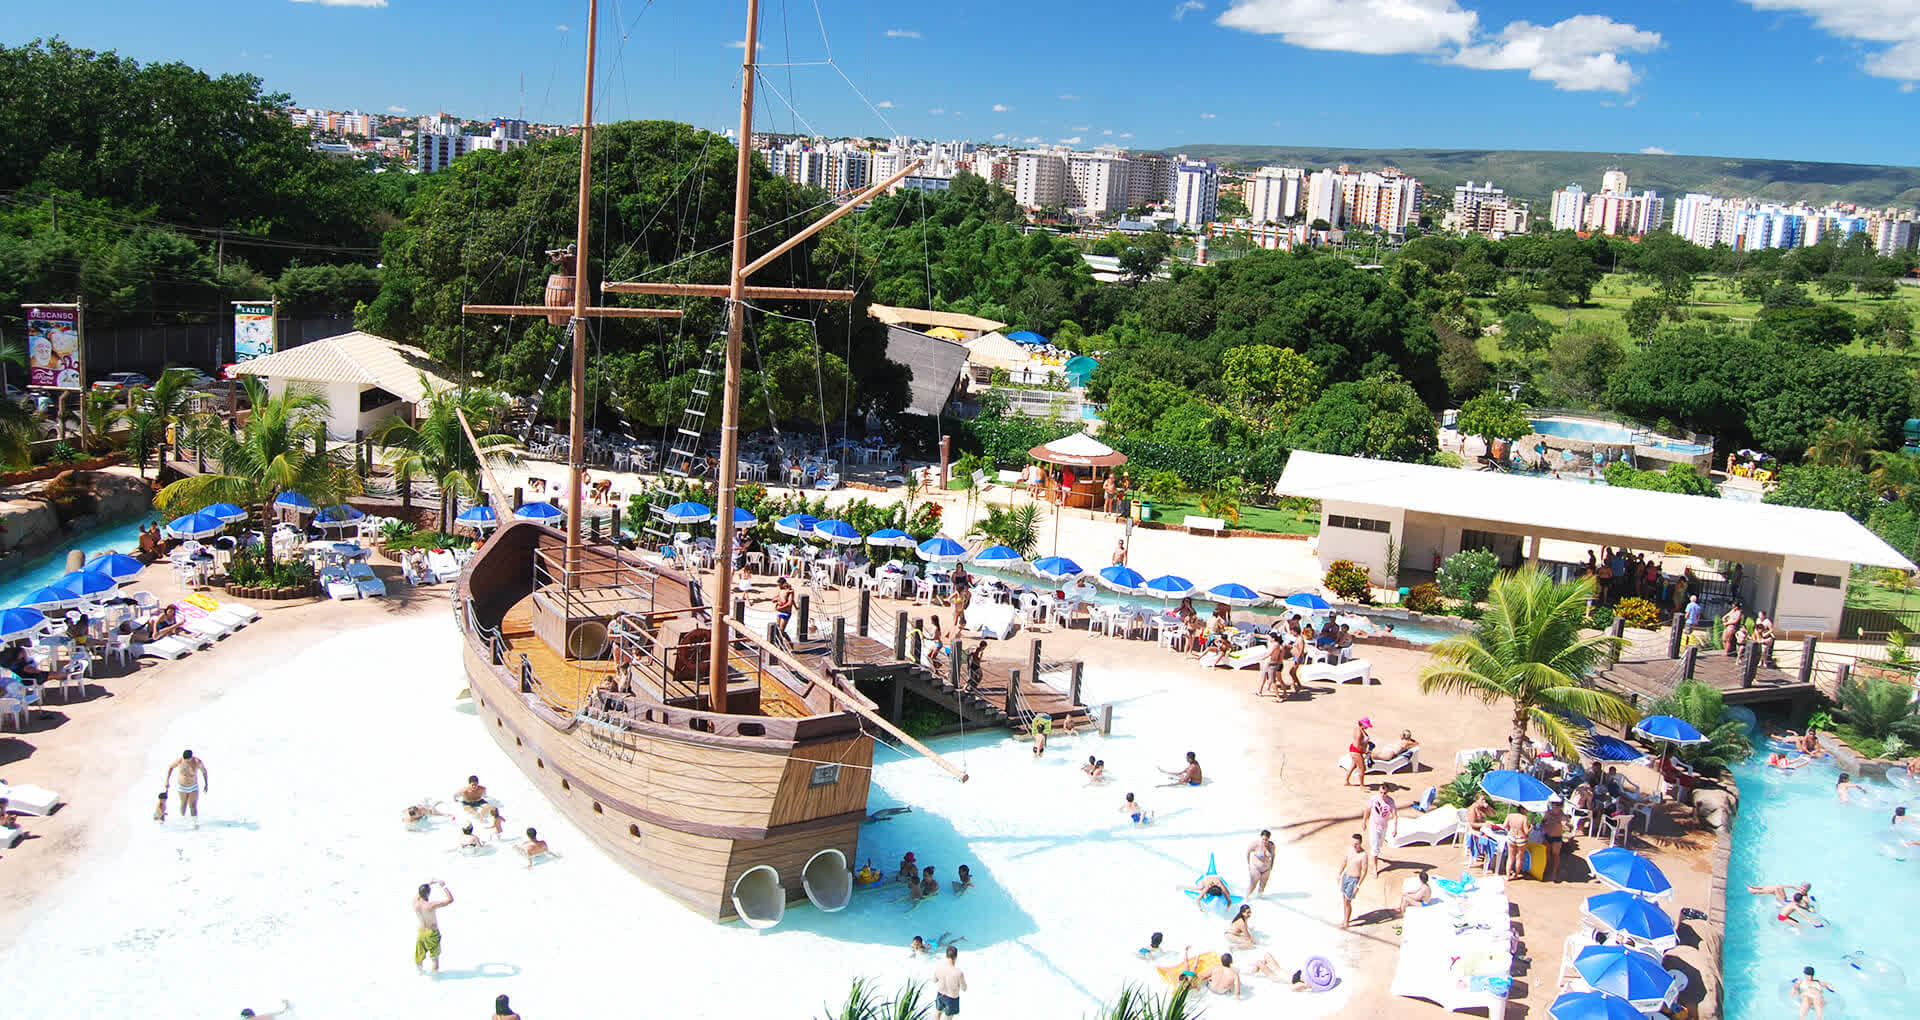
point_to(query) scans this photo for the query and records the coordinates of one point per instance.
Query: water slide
(828, 881)
(759, 898)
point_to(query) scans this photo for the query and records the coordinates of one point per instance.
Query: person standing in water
(948, 983)
(191, 782)
(426, 909)
(1259, 863)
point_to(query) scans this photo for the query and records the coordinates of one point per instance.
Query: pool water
(1607, 432)
(44, 570)
(1409, 630)
(1792, 828)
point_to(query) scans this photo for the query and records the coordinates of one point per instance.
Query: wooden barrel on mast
(560, 284)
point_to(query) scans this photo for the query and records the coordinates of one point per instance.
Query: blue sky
(1830, 80)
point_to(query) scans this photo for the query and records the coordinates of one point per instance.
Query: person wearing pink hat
(1357, 752)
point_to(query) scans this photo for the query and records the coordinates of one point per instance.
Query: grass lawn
(1252, 518)
(1867, 595)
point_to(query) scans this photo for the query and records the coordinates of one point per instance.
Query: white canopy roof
(1078, 449)
(359, 358)
(1598, 513)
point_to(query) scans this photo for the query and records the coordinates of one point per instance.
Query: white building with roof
(1798, 560)
(366, 379)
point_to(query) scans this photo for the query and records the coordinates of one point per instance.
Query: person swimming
(1152, 949)
(1845, 786)
(1811, 992)
(1797, 908)
(1135, 811)
(964, 882)
(1098, 774)
(1186, 775)
(1207, 888)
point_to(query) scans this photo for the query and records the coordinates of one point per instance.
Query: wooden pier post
(1808, 646)
(954, 666)
(1686, 662)
(740, 610)
(839, 640)
(1033, 663)
(593, 529)
(899, 696)
(866, 611)
(1841, 674)
(519, 499)
(1619, 629)
(1674, 633)
(1013, 692)
(1106, 720)
(900, 634)
(1079, 672)
(916, 637)
(1749, 663)
(773, 632)
(805, 616)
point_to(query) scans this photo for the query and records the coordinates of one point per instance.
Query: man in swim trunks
(1271, 665)
(1259, 863)
(426, 909)
(1357, 750)
(948, 983)
(191, 782)
(1188, 775)
(472, 795)
(1783, 893)
(1812, 993)
(783, 605)
(1554, 825)
(534, 846)
(418, 813)
(1222, 978)
(1132, 809)
(1352, 872)
(1208, 887)
(1799, 910)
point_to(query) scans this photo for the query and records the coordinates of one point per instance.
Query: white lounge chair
(1385, 766)
(9, 837)
(1353, 671)
(991, 619)
(370, 585)
(338, 584)
(1434, 827)
(169, 647)
(443, 564)
(27, 799)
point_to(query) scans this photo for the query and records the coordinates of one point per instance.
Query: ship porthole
(540, 763)
(597, 809)
(517, 743)
(564, 785)
(634, 831)
(498, 724)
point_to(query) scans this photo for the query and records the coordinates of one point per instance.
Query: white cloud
(1081, 127)
(1356, 26)
(1126, 134)
(1075, 140)
(345, 3)
(1033, 140)
(741, 44)
(1655, 150)
(1001, 107)
(1580, 54)
(1106, 131)
(1069, 97)
(903, 33)
(999, 136)
(561, 28)
(1894, 22)
(1186, 7)
(884, 104)
(1207, 116)
(396, 109)
(938, 110)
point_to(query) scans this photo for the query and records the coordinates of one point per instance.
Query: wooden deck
(1644, 673)
(983, 706)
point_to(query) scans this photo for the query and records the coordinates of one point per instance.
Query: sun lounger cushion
(27, 799)
(1434, 827)
(991, 619)
(169, 647)
(247, 613)
(1356, 671)
(9, 837)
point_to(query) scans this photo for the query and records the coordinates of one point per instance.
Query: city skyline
(1455, 74)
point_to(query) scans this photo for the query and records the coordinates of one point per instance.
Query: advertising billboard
(53, 347)
(253, 330)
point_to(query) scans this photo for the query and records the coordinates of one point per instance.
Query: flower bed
(300, 591)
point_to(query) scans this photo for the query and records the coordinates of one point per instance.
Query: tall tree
(434, 446)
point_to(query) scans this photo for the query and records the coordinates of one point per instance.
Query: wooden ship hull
(731, 814)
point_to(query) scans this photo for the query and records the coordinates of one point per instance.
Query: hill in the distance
(1535, 175)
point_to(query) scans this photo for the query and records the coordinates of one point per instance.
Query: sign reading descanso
(53, 347)
(253, 329)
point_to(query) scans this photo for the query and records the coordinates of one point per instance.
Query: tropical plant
(435, 447)
(1843, 442)
(1704, 708)
(863, 1002)
(146, 433)
(1349, 580)
(1895, 472)
(1638, 612)
(1528, 654)
(170, 399)
(102, 413)
(1164, 486)
(1136, 1002)
(1223, 500)
(281, 448)
(1821, 720)
(1600, 617)
(1017, 528)
(64, 452)
(1879, 709)
(1425, 598)
(1468, 574)
(1463, 788)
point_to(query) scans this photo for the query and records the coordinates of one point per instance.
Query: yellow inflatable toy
(1188, 969)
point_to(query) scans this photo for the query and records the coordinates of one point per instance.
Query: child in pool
(964, 882)
(1152, 949)
(160, 809)
(1134, 811)
(1097, 773)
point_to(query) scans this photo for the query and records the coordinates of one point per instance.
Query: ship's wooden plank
(797, 799)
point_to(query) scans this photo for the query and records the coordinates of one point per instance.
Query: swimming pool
(1608, 432)
(1792, 828)
(1412, 631)
(44, 570)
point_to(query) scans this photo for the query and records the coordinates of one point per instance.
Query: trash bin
(1143, 511)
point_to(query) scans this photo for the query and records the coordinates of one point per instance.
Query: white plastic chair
(120, 648)
(15, 709)
(1617, 829)
(1100, 619)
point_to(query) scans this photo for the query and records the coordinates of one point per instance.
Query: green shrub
(1878, 709)
(1639, 613)
(1600, 617)
(1164, 486)
(414, 538)
(1468, 574)
(1426, 598)
(64, 453)
(1348, 580)
(248, 569)
(1466, 786)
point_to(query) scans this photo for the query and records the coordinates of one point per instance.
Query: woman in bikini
(1240, 931)
(1357, 750)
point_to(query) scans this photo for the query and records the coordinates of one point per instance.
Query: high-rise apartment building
(1277, 194)
(1196, 192)
(1614, 210)
(436, 150)
(1149, 180)
(1326, 199)
(1485, 209)
(1097, 181)
(1569, 210)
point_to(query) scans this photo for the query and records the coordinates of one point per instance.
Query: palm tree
(278, 450)
(102, 412)
(1017, 528)
(1705, 709)
(18, 426)
(1527, 652)
(1842, 442)
(436, 447)
(170, 400)
(146, 434)
(1894, 472)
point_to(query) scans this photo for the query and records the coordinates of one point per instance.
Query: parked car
(120, 382)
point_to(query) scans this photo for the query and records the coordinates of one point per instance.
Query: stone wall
(33, 528)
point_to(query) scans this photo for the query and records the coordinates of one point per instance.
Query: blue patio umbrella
(796, 525)
(1669, 729)
(744, 518)
(1628, 914)
(687, 513)
(837, 532)
(194, 526)
(119, 566)
(1122, 578)
(1168, 586)
(540, 513)
(1027, 337)
(228, 512)
(1516, 788)
(338, 516)
(1593, 1006)
(294, 500)
(20, 622)
(1627, 973)
(87, 583)
(1056, 568)
(892, 537)
(1308, 602)
(1623, 869)
(481, 516)
(50, 597)
(1607, 748)
(941, 549)
(1000, 556)
(1235, 594)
